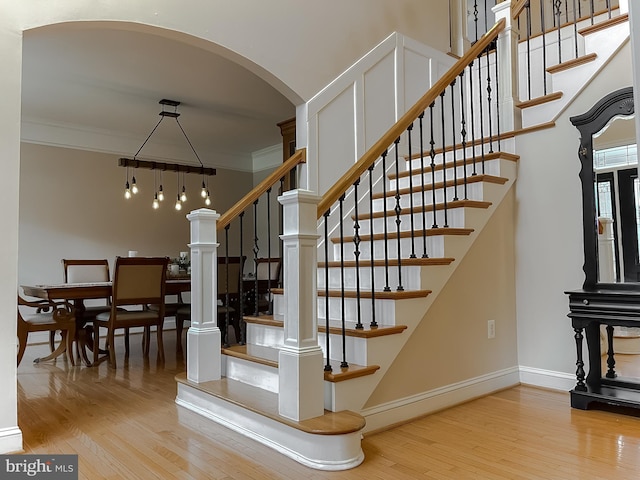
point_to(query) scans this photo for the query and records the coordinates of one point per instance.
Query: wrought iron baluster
(356, 253)
(411, 221)
(398, 211)
(463, 133)
(225, 330)
(473, 120)
(480, 108)
(475, 18)
(432, 154)
(544, 49)
(575, 28)
(489, 116)
(444, 161)
(528, 21)
(373, 323)
(256, 250)
(558, 10)
(593, 11)
(343, 309)
(241, 322)
(424, 203)
(327, 366)
(387, 288)
(270, 297)
(453, 140)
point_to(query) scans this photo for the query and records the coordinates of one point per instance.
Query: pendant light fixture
(181, 197)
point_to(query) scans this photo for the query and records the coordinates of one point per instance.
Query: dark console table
(589, 309)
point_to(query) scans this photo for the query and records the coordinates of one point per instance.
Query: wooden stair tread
(451, 204)
(366, 332)
(350, 331)
(459, 162)
(572, 63)
(430, 232)
(339, 374)
(265, 403)
(450, 183)
(604, 24)
(393, 262)
(392, 295)
(540, 100)
(240, 351)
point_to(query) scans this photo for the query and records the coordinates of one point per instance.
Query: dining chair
(137, 282)
(267, 278)
(44, 316)
(229, 278)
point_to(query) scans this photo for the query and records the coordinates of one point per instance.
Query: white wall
(549, 254)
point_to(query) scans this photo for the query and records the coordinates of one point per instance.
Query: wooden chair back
(85, 271)
(139, 281)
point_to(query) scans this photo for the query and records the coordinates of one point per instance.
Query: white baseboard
(405, 409)
(547, 378)
(11, 440)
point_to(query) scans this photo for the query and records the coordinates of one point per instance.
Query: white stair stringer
(604, 43)
(381, 351)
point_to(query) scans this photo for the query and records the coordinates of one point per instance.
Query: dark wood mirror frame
(616, 104)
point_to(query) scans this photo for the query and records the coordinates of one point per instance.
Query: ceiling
(97, 87)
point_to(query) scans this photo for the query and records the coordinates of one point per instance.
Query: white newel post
(300, 362)
(510, 117)
(203, 337)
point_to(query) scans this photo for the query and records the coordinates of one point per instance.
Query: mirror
(610, 192)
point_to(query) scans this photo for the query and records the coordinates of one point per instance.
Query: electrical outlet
(491, 329)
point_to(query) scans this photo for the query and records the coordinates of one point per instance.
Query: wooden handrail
(357, 169)
(300, 156)
(517, 8)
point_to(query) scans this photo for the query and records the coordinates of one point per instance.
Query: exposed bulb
(127, 191)
(160, 194)
(207, 201)
(183, 195)
(156, 202)
(203, 192)
(134, 187)
(178, 204)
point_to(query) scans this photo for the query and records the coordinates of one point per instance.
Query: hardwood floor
(124, 424)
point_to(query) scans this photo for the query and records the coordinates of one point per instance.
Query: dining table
(77, 293)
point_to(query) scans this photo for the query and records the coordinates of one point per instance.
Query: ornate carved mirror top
(610, 192)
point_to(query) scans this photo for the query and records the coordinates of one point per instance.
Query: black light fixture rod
(171, 167)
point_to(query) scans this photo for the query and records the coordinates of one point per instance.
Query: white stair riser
(355, 347)
(474, 192)
(410, 278)
(491, 167)
(264, 335)
(434, 246)
(256, 374)
(385, 312)
(455, 218)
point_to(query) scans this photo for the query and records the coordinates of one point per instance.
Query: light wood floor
(124, 424)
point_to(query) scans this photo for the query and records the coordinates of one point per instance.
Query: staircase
(371, 297)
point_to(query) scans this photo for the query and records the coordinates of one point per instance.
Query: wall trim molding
(11, 440)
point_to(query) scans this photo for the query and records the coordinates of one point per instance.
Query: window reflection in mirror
(617, 190)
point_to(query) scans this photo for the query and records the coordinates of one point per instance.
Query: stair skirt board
(11, 440)
(405, 409)
(321, 452)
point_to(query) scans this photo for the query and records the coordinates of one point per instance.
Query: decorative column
(300, 362)
(510, 117)
(203, 337)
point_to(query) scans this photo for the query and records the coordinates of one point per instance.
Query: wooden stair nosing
(365, 332)
(265, 403)
(430, 232)
(481, 177)
(417, 209)
(610, 22)
(540, 100)
(351, 372)
(459, 162)
(590, 57)
(380, 295)
(240, 351)
(392, 262)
